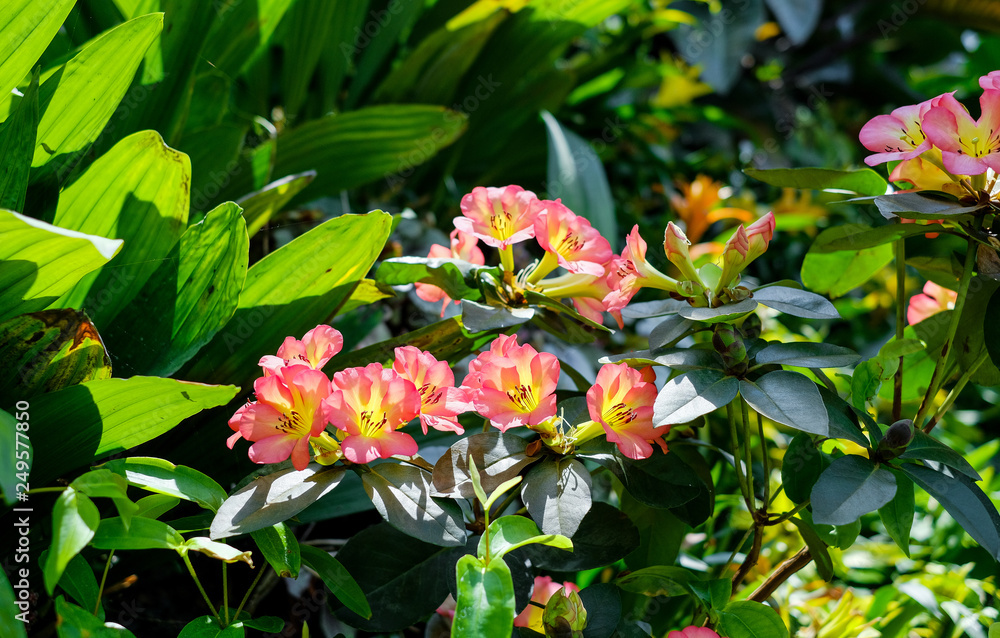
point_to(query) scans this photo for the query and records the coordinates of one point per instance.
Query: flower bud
(727, 342)
(759, 235)
(564, 615)
(675, 245)
(752, 326)
(734, 257)
(897, 437)
(689, 288)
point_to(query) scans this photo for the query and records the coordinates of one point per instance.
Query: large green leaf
(337, 579)
(47, 351)
(40, 262)
(864, 181)
(693, 394)
(371, 48)
(557, 495)
(75, 622)
(507, 533)
(749, 619)
(86, 422)
(74, 520)
(402, 495)
(280, 548)
(142, 533)
(605, 536)
(350, 149)
(806, 355)
(163, 477)
(838, 273)
(77, 101)
(17, 145)
(789, 398)
(798, 303)
(26, 28)
(241, 31)
(260, 206)
(851, 487)
(137, 192)
(801, 467)
(858, 236)
(187, 300)
(897, 514)
(485, 603)
(290, 291)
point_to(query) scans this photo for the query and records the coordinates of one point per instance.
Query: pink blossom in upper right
(968, 146)
(897, 136)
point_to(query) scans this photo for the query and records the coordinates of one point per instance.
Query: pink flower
(498, 216)
(499, 347)
(968, 147)
(544, 589)
(693, 632)
(318, 346)
(621, 403)
(631, 271)
(287, 413)
(586, 291)
(568, 240)
(516, 388)
(759, 235)
(990, 80)
(897, 136)
(463, 246)
(734, 256)
(440, 401)
(933, 300)
(370, 404)
(675, 245)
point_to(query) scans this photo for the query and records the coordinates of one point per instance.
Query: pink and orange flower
(631, 271)
(318, 346)
(621, 406)
(932, 300)
(568, 240)
(440, 401)
(693, 632)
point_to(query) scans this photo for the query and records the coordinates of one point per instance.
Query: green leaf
(925, 447)
(576, 175)
(920, 206)
(693, 394)
(10, 608)
(368, 292)
(455, 276)
(748, 619)
(137, 192)
(498, 456)
(208, 627)
(372, 54)
(713, 594)
(337, 579)
(507, 533)
(40, 262)
(841, 272)
(75, 622)
(218, 551)
(657, 580)
(9, 455)
(722, 314)
(280, 548)
(189, 298)
(789, 398)
(858, 236)
(557, 495)
(964, 500)
(156, 505)
(241, 32)
(163, 477)
(798, 303)
(78, 581)
(605, 536)
(479, 317)
(863, 182)
(604, 609)
(17, 145)
(645, 479)
(897, 514)
(992, 342)
(74, 520)
(817, 547)
(402, 495)
(351, 149)
(102, 483)
(47, 351)
(851, 487)
(485, 603)
(668, 331)
(260, 206)
(142, 533)
(289, 292)
(801, 467)
(112, 415)
(273, 498)
(77, 101)
(806, 355)
(26, 28)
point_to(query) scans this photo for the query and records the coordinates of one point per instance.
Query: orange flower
(697, 206)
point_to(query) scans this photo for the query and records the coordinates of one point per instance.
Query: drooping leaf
(402, 495)
(798, 303)
(800, 467)
(849, 488)
(163, 477)
(142, 533)
(75, 622)
(817, 547)
(112, 415)
(807, 355)
(136, 192)
(749, 619)
(40, 262)
(693, 394)
(337, 579)
(897, 514)
(840, 272)
(498, 456)
(789, 398)
(218, 551)
(74, 520)
(17, 146)
(925, 447)
(507, 533)
(557, 495)
(863, 182)
(485, 603)
(273, 498)
(858, 236)
(26, 30)
(280, 548)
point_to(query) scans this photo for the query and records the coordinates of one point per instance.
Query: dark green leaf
(863, 182)
(789, 398)
(557, 495)
(605, 536)
(337, 579)
(851, 487)
(801, 467)
(722, 314)
(74, 520)
(807, 355)
(798, 303)
(485, 604)
(658, 308)
(693, 394)
(78, 581)
(858, 236)
(748, 619)
(668, 331)
(482, 318)
(926, 447)
(817, 547)
(75, 622)
(604, 608)
(897, 514)
(991, 335)
(499, 457)
(10, 609)
(645, 480)
(208, 627)
(280, 548)
(658, 580)
(241, 31)
(402, 495)
(163, 477)
(17, 146)
(142, 533)
(920, 206)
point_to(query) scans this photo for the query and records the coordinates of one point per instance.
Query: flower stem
(246, 597)
(507, 259)
(747, 449)
(731, 414)
(766, 460)
(104, 578)
(955, 391)
(548, 263)
(187, 561)
(225, 593)
(897, 391)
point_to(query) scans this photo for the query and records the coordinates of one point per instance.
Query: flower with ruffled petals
(693, 632)
(440, 401)
(897, 136)
(568, 240)
(498, 216)
(968, 147)
(933, 300)
(516, 388)
(544, 589)
(463, 246)
(318, 346)
(621, 404)
(631, 271)
(499, 347)
(288, 411)
(370, 404)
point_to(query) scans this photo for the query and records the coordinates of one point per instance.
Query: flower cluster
(940, 145)
(595, 279)
(356, 415)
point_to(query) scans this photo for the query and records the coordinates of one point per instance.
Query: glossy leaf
(840, 272)
(337, 579)
(40, 262)
(136, 192)
(849, 488)
(17, 145)
(507, 533)
(280, 549)
(163, 477)
(289, 292)
(807, 355)
(485, 603)
(498, 457)
(645, 480)
(789, 398)
(926, 448)
(857, 236)
(260, 206)
(817, 547)
(402, 495)
(142, 533)
(102, 483)
(78, 580)
(75, 622)
(112, 415)
(920, 206)
(455, 276)
(801, 467)
(605, 536)
(657, 580)
(557, 495)
(479, 317)
(273, 498)
(748, 619)
(693, 394)
(26, 30)
(798, 303)
(897, 514)
(77, 101)
(75, 519)
(726, 313)
(668, 331)
(864, 181)
(156, 505)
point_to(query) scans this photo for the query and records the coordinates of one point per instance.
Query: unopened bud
(752, 326)
(897, 437)
(675, 245)
(564, 615)
(729, 344)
